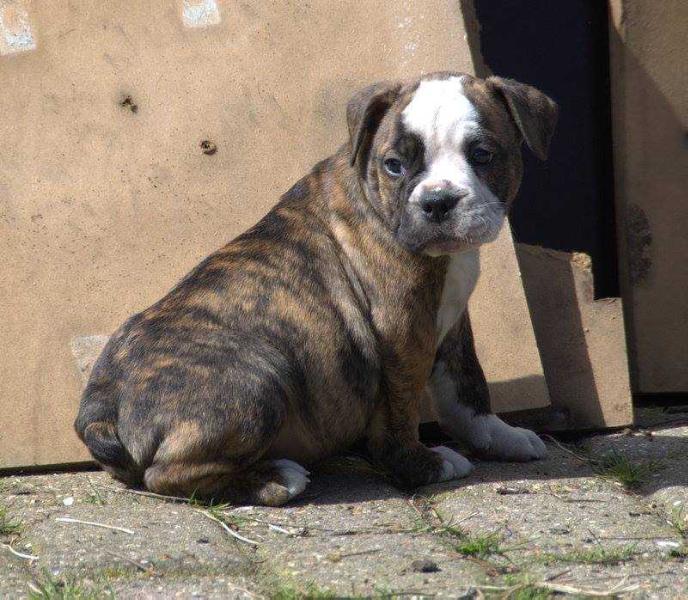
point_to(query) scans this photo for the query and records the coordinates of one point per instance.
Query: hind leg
(271, 483)
(220, 456)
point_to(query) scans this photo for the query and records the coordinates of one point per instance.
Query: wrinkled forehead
(441, 114)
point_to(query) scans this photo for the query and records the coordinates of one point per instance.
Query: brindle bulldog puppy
(326, 322)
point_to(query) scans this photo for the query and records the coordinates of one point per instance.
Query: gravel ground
(605, 514)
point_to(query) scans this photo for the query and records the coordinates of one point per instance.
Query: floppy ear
(364, 113)
(534, 113)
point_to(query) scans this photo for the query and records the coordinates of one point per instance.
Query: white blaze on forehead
(441, 115)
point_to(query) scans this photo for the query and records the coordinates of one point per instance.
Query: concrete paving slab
(566, 524)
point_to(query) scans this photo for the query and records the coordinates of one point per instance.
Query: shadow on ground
(657, 460)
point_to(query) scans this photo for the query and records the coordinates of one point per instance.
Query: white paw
(454, 466)
(295, 476)
(504, 442)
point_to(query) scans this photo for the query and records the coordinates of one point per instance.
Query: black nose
(436, 206)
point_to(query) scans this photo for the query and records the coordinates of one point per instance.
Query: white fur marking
(295, 476)
(459, 283)
(505, 442)
(486, 433)
(441, 114)
(454, 466)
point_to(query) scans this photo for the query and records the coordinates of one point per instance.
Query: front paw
(418, 466)
(493, 438)
(454, 466)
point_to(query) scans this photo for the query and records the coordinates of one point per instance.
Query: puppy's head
(440, 158)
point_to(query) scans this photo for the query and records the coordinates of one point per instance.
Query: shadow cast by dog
(352, 479)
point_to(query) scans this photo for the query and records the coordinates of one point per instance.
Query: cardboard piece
(650, 119)
(582, 341)
(139, 137)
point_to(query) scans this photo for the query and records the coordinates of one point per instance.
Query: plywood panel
(649, 83)
(107, 196)
(582, 340)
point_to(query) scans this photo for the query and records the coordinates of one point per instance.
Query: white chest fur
(459, 283)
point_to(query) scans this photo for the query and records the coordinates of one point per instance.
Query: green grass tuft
(679, 520)
(218, 510)
(288, 591)
(67, 588)
(524, 587)
(8, 525)
(452, 530)
(595, 556)
(531, 592)
(470, 544)
(94, 496)
(618, 467)
(480, 546)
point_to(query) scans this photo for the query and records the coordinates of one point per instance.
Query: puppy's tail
(96, 426)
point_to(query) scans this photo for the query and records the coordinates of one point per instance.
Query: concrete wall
(108, 194)
(650, 86)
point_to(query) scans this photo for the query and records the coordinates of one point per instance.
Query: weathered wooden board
(650, 118)
(582, 340)
(107, 197)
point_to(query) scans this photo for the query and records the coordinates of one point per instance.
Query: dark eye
(481, 156)
(394, 167)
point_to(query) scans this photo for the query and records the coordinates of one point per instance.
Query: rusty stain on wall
(208, 147)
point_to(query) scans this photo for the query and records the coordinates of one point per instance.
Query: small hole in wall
(208, 147)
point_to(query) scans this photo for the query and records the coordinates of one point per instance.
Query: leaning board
(107, 199)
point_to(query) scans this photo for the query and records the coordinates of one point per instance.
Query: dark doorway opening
(566, 203)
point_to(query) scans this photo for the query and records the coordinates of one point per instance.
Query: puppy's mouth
(452, 235)
(449, 247)
(440, 243)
